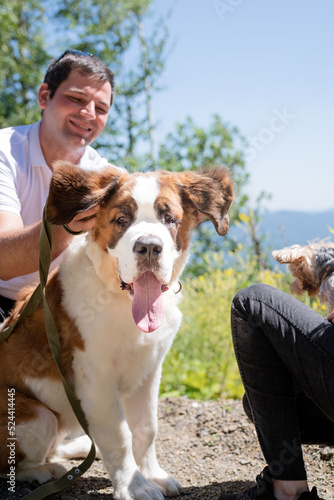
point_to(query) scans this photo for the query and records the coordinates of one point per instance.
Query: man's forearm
(19, 249)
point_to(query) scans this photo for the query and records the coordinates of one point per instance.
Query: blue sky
(267, 67)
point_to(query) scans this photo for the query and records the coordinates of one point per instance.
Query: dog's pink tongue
(147, 305)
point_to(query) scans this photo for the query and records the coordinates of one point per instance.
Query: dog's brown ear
(74, 190)
(289, 254)
(208, 193)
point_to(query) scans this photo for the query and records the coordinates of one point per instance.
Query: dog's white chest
(114, 347)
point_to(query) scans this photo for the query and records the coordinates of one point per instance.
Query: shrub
(201, 363)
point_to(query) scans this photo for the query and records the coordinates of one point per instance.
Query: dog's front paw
(168, 486)
(138, 489)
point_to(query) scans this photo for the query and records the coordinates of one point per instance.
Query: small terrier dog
(313, 267)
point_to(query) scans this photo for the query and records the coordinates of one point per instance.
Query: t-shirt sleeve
(93, 161)
(9, 199)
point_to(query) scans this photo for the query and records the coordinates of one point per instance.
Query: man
(75, 98)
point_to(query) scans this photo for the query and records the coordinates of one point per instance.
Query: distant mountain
(285, 228)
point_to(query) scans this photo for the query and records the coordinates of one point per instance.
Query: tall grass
(201, 363)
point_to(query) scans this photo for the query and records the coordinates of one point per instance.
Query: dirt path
(207, 447)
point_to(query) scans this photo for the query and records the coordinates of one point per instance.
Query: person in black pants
(285, 354)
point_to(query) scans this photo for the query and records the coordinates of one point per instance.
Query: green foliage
(103, 26)
(201, 363)
(22, 57)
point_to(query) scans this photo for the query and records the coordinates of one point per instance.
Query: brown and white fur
(313, 267)
(142, 235)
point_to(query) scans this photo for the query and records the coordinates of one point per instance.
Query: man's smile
(82, 127)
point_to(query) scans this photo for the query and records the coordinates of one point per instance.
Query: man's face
(78, 111)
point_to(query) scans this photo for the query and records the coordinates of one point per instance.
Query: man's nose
(88, 111)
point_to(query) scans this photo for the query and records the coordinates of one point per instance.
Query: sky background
(267, 67)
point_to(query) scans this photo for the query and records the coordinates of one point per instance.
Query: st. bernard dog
(114, 302)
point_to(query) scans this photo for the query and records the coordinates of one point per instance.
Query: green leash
(48, 490)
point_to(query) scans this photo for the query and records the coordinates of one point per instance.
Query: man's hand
(85, 220)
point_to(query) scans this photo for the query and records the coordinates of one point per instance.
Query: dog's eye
(122, 221)
(169, 219)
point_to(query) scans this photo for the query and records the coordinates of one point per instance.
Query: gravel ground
(208, 447)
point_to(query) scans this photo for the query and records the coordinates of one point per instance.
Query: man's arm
(19, 245)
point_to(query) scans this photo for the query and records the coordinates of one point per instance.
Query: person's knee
(255, 291)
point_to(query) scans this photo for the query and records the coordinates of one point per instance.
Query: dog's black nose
(148, 247)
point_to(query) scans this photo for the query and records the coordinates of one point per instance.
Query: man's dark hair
(85, 64)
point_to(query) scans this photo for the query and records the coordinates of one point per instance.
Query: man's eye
(102, 111)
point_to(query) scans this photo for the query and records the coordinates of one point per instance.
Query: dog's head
(144, 222)
(312, 265)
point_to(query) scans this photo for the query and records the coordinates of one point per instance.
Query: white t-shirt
(24, 184)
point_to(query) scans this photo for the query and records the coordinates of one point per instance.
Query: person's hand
(84, 220)
(330, 317)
